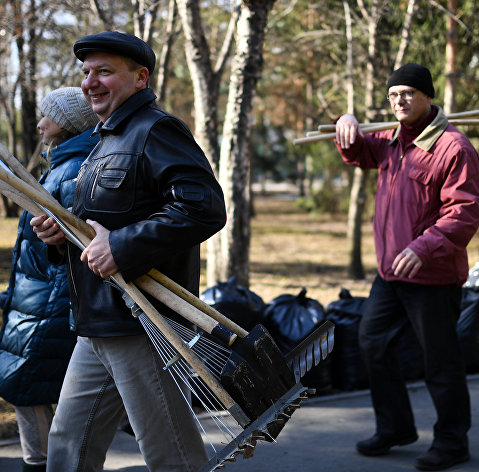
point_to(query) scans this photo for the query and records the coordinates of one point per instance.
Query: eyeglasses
(406, 95)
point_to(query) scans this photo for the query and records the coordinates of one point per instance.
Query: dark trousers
(433, 313)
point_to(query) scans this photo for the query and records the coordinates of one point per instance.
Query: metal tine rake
(193, 360)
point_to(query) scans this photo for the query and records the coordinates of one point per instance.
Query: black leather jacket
(151, 185)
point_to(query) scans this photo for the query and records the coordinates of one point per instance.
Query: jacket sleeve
(366, 151)
(459, 212)
(192, 205)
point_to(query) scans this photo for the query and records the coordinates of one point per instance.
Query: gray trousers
(105, 377)
(33, 426)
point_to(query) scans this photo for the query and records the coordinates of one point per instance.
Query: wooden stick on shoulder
(327, 132)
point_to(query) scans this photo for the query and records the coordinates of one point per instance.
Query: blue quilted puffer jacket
(36, 340)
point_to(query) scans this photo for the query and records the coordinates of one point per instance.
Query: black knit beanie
(415, 75)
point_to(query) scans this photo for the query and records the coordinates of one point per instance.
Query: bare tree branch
(228, 41)
(405, 33)
(453, 16)
(100, 11)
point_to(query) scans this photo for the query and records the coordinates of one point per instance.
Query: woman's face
(48, 130)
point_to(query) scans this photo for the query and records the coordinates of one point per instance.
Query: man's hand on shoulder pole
(347, 130)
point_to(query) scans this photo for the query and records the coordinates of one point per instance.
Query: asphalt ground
(320, 436)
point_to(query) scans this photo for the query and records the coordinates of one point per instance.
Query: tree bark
(451, 58)
(162, 70)
(405, 34)
(206, 81)
(234, 173)
(27, 79)
(357, 196)
(104, 14)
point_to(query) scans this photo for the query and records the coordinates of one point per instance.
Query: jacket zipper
(393, 183)
(69, 265)
(97, 176)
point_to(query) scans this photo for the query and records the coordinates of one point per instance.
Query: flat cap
(120, 44)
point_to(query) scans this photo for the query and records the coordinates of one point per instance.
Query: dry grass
(8, 423)
(8, 235)
(291, 249)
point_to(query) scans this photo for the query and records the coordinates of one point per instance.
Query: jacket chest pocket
(111, 188)
(422, 198)
(421, 176)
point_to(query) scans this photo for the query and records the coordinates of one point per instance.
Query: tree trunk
(234, 163)
(206, 82)
(27, 79)
(104, 14)
(162, 70)
(357, 196)
(451, 56)
(357, 204)
(405, 34)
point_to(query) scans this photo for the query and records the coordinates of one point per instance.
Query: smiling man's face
(109, 80)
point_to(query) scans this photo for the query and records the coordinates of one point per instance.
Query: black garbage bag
(348, 369)
(291, 318)
(468, 323)
(237, 303)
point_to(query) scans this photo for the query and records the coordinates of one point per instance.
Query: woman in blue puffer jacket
(36, 340)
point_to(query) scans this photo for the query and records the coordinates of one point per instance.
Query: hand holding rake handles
(327, 132)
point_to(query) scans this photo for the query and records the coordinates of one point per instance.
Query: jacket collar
(430, 134)
(81, 144)
(126, 109)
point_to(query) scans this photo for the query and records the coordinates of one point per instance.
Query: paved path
(319, 437)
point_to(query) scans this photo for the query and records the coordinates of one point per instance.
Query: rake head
(264, 428)
(256, 374)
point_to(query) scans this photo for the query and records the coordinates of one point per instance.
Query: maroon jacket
(427, 199)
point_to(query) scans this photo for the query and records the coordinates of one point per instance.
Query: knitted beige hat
(68, 107)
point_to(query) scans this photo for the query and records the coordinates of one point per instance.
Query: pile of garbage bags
(292, 317)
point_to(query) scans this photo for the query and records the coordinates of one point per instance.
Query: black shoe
(435, 459)
(33, 468)
(378, 445)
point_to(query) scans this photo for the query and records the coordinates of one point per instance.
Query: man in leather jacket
(149, 192)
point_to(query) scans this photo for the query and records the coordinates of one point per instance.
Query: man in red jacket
(426, 212)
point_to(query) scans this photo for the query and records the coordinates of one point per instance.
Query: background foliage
(303, 75)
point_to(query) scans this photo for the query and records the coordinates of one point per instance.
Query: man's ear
(142, 77)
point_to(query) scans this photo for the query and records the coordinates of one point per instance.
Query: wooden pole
(327, 132)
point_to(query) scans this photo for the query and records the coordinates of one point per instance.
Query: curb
(10, 441)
